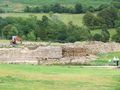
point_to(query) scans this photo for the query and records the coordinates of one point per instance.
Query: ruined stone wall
(24, 55)
(74, 51)
(56, 54)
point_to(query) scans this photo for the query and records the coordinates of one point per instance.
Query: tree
(41, 28)
(105, 34)
(97, 37)
(91, 21)
(27, 9)
(75, 33)
(116, 37)
(3, 23)
(78, 8)
(1, 10)
(91, 9)
(57, 8)
(10, 31)
(31, 36)
(109, 16)
(102, 6)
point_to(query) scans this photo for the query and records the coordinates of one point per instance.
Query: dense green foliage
(116, 37)
(107, 18)
(66, 2)
(105, 35)
(18, 5)
(51, 27)
(47, 29)
(55, 8)
(59, 8)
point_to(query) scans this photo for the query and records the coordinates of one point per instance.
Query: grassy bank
(105, 58)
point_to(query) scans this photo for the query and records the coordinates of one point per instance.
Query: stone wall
(77, 53)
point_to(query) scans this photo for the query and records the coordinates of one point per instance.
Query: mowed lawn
(32, 77)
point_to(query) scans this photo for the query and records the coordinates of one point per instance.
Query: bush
(31, 36)
(105, 35)
(97, 37)
(116, 37)
(78, 8)
(91, 21)
(109, 16)
(10, 31)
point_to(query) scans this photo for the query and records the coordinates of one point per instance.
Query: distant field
(75, 18)
(29, 77)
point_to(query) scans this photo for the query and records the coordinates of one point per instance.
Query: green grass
(29, 77)
(103, 59)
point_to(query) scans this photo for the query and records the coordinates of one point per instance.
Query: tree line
(46, 29)
(75, 9)
(52, 29)
(59, 8)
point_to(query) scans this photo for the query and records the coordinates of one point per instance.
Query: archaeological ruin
(57, 54)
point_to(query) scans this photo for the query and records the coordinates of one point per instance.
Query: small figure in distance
(15, 41)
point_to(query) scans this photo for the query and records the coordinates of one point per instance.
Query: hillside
(17, 5)
(66, 18)
(44, 2)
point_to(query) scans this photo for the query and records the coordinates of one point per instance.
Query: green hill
(41, 2)
(19, 4)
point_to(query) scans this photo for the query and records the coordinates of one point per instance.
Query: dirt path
(102, 66)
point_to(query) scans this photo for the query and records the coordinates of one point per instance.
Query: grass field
(29, 77)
